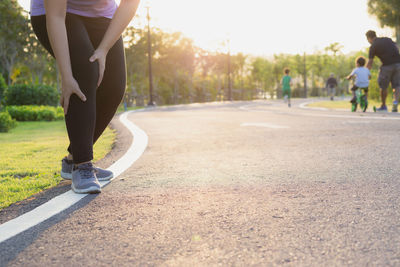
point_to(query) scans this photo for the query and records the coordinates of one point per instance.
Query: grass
(30, 158)
(345, 104)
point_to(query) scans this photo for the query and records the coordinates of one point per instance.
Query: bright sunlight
(263, 27)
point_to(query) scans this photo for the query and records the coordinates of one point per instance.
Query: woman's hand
(99, 55)
(124, 14)
(69, 87)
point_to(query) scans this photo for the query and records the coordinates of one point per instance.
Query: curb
(67, 199)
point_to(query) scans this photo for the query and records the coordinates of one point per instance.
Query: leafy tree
(204, 63)
(334, 48)
(174, 67)
(38, 61)
(12, 35)
(136, 62)
(388, 14)
(316, 64)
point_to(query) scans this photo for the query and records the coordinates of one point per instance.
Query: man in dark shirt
(386, 50)
(331, 85)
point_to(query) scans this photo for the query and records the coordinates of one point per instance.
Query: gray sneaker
(84, 180)
(67, 166)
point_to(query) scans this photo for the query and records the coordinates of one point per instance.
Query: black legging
(86, 121)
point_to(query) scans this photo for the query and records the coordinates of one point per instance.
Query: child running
(362, 75)
(286, 82)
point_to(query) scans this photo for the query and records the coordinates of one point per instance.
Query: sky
(264, 27)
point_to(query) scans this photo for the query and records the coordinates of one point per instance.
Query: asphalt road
(243, 183)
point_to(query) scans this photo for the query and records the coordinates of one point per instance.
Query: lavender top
(86, 8)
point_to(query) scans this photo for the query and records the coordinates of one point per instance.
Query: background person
(286, 86)
(331, 85)
(362, 75)
(85, 38)
(386, 50)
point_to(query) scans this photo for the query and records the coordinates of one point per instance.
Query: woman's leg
(112, 87)
(81, 116)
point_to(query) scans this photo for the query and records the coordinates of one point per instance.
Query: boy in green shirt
(286, 82)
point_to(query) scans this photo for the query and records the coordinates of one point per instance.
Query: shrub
(23, 94)
(35, 113)
(6, 122)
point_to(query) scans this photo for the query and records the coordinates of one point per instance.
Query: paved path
(248, 183)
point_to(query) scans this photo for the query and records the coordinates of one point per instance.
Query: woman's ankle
(81, 163)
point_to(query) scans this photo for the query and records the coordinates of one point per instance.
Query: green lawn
(345, 105)
(30, 158)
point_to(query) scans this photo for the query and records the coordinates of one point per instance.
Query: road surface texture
(241, 183)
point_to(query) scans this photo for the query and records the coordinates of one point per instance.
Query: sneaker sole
(105, 178)
(68, 176)
(90, 190)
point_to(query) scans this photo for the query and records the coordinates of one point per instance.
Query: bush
(6, 122)
(22, 94)
(35, 113)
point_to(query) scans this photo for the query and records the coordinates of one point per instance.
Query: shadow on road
(10, 249)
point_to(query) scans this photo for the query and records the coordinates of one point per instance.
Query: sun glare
(264, 27)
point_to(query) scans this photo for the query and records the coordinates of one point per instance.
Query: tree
(388, 14)
(316, 64)
(300, 66)
(335, 48)
(12, 35)
(238, 70)
(174, 66)
(204, 64)
(264, 76)
(38, 61)
(136, 62)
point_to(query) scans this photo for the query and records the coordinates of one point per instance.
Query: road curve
(242, 183)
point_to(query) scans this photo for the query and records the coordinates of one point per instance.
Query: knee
(86, 73)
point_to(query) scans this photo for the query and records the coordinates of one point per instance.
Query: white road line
(304, 106)
(263, 124)
(139, 144)
(66, 200)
